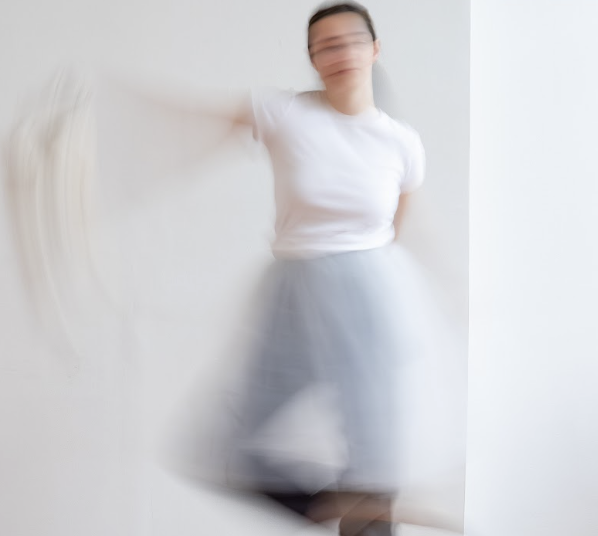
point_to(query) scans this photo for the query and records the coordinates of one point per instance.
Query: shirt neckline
(368, 116)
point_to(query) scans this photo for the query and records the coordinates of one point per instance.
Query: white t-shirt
(337, 177)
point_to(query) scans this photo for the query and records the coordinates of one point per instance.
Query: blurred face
(341, 49)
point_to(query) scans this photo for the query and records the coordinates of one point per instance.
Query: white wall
(79, 433)
(533, 437)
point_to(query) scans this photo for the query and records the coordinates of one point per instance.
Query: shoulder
(407, 138)
(273, 106)
(269, 96)
(404, 131)
(277, 102)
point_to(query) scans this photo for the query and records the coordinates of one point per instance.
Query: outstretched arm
(232, 107)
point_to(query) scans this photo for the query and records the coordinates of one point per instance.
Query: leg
(361, 514)
(299, 503)
(379, 507)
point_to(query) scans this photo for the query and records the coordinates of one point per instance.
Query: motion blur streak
(51, 161)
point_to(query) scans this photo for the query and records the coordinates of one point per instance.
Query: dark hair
(345, 7)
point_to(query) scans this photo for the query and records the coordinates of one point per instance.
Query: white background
(533, 436)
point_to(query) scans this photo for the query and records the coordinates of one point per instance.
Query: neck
(351, 101)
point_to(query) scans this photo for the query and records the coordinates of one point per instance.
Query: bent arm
(400, 214)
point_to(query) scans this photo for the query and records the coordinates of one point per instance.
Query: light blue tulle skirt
(328, 398)
(326, 341)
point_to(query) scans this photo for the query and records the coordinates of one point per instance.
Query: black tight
(361, 514)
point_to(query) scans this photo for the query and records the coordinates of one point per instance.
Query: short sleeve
(269, 106)
(416, 168)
